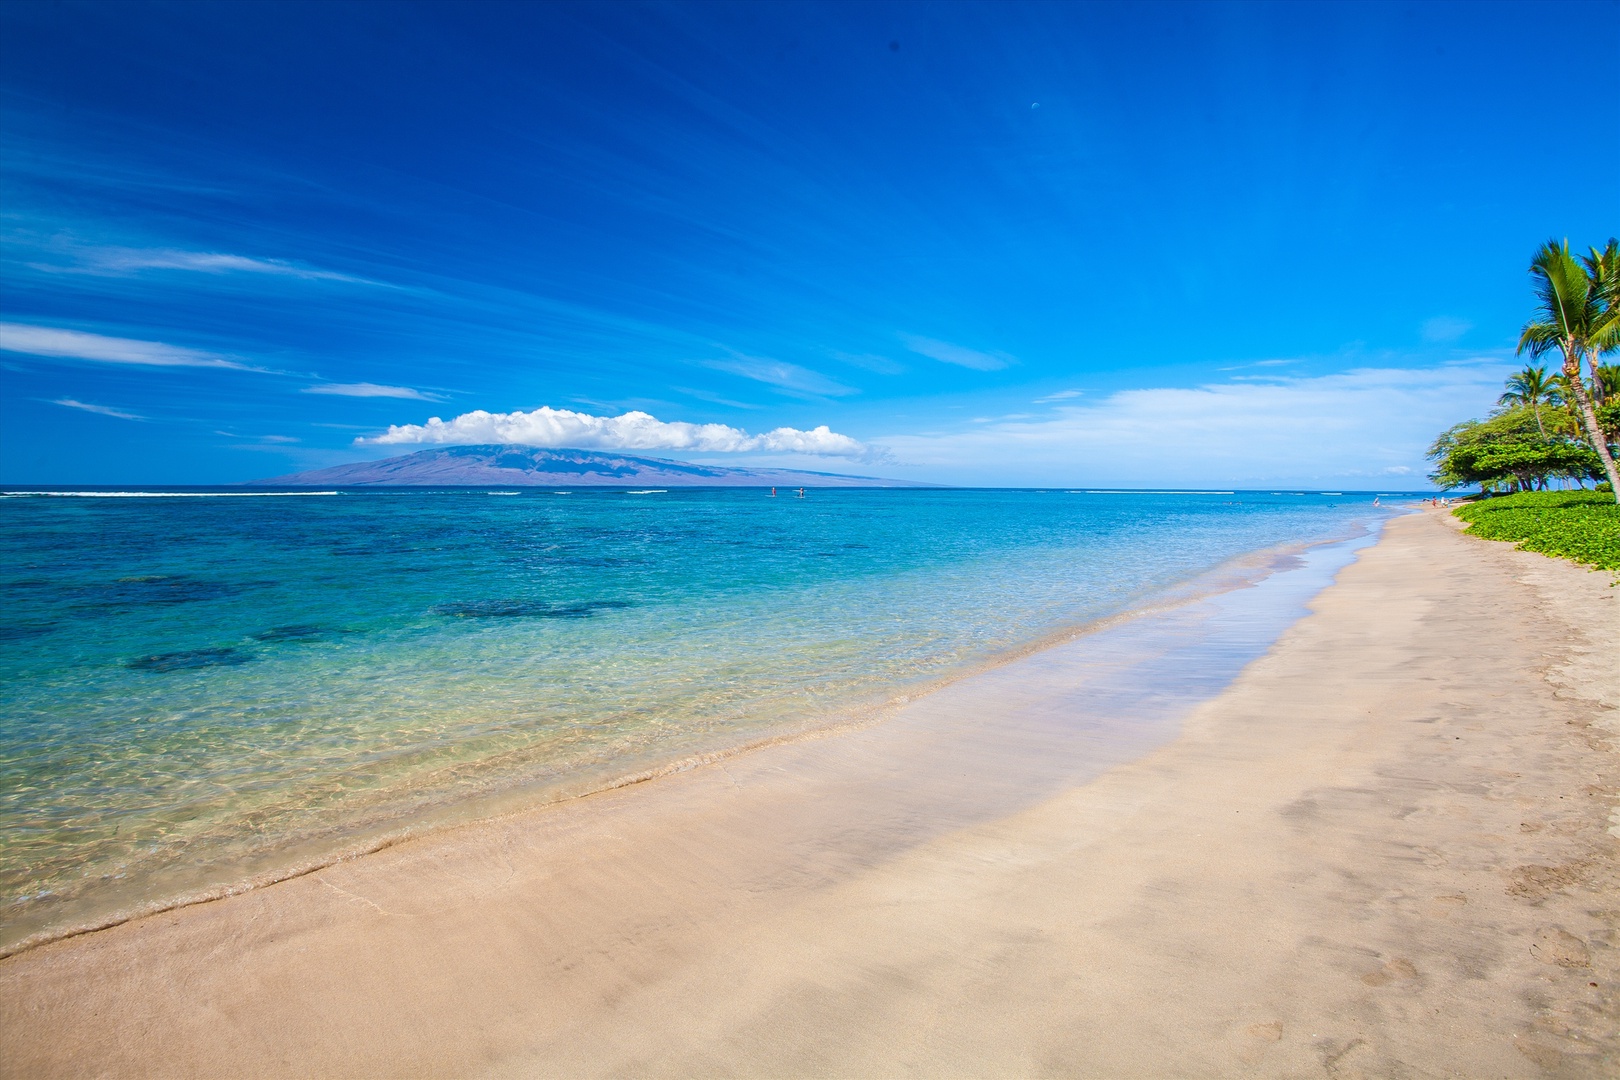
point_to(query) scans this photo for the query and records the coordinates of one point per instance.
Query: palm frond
(1539, 338)
(1606, 383)
(1605, 337)
(1603, 271)
(1563, 291)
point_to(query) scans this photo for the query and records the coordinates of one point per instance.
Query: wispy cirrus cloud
(713, 398)
(790, 378)
(260, 441)
(634, 430)
(946, 353)
(125, 261)
(1257, 363)
(1367, 422)
(871, 362)
(1061, 395)
(369, 390)
(1444, 328)
(56, 343)
(99, 410)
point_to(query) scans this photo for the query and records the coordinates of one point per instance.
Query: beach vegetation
(1583, 526)
(1606, 384)
(1514, 450)
(1577, 318)
(1605, 390)
(1551, 427)
(1533, 388)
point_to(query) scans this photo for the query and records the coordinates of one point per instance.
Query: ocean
(201, 691)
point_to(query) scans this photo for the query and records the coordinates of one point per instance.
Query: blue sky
(998, 244)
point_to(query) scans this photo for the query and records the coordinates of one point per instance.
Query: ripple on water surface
(197, 691)
(526, 609)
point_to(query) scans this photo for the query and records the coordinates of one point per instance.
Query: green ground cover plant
(1583, 526)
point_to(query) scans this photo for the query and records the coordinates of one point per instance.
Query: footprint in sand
(1554, 946)
(1398, 968)
(1441, 907)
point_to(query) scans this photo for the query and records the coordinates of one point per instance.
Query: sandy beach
(1388, 848)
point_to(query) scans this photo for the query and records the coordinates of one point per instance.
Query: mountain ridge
(493, 465)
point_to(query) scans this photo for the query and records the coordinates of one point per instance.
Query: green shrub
(1583, 526)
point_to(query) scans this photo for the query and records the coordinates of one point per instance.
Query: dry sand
(1385, 850)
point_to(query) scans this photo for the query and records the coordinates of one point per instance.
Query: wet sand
(1385, 849)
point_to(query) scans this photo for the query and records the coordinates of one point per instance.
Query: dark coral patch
(295, 632)
(155, 589)
(190, 659)
(23, 631)
(525, 609)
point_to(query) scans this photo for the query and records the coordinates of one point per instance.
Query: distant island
(530, 466)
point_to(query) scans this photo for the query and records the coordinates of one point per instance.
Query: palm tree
(1606, 383)
(1531, 387)
(1603, 271)
(1576, 315)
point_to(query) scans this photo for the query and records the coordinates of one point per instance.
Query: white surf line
(166, 494)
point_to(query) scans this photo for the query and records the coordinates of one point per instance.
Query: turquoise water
(204, 691)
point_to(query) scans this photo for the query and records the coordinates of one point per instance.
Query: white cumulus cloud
(78, 345)
(550, 427)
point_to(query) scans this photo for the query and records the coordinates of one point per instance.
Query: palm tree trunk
(1535, 407)
(1600, 443)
